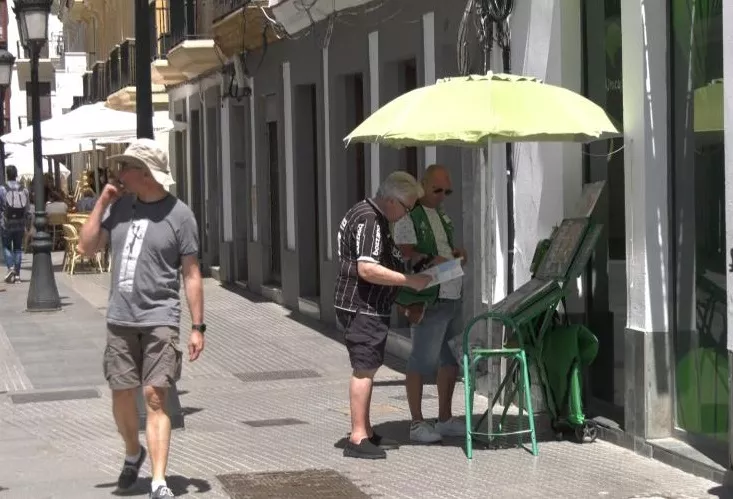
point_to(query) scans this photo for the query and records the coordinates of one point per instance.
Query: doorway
(606, 300)
(240, 188)
(275, 267)
(355, 153)
(197, 178)
(407, 81)
(306, 148)
(213, 190)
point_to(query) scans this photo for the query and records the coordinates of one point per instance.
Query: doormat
(307, 484)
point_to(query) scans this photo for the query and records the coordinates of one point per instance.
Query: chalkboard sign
(563, 248)
(524, 297)
(585, 251)
(589, 198)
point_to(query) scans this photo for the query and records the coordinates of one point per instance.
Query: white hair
(401, 186)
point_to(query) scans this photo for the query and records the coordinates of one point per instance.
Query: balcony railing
(160, 34)
(114, 70)
(101, 92)
(182, 16)
(94, 85)
(127, 63)
(223, 8)
(86, 81)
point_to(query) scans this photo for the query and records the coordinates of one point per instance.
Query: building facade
(61, 66)
(269, 89)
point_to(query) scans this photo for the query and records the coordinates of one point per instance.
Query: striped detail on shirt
(364, 235)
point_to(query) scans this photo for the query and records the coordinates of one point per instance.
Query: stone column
(649, 390)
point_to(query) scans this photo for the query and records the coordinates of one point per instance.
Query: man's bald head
(437, 186)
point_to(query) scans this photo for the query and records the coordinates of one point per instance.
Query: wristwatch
(201, 328)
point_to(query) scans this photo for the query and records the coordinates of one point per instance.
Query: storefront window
(698, 229)
(604, 161)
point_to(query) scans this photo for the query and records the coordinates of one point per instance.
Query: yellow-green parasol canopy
(470, 110)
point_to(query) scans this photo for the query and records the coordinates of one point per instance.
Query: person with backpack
(14, 206)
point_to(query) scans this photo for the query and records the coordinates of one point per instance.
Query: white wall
(68, 79)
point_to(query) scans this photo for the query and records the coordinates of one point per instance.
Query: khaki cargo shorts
(142, 356)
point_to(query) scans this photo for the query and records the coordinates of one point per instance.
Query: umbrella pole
(95, 154)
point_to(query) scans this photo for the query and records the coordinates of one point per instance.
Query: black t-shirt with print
(364, 235)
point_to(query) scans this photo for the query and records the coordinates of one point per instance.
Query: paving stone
(70, 448)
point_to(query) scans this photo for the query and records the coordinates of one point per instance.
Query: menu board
(563, 248)
(585, 251)
(589, 198)
(523, 297)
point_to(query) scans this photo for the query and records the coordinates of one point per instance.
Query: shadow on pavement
(722, 492)
(400, 432)
(179, 485)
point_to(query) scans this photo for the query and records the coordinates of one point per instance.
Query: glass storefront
(604, 161)
(698, 228)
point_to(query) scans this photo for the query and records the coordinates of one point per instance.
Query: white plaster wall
(546, 41)
(644, 47)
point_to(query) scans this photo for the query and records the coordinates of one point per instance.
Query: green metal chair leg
(468, 393)
(528, 400)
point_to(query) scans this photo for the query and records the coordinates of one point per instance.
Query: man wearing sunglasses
(425, 237)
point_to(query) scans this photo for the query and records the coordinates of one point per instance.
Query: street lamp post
(43, 295)
(6, 74)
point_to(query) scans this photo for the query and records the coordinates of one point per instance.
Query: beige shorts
(147, 356)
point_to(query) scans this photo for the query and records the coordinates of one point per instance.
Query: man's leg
(366, 339)
(8, 255)
(360, 395)
(122, 361)
(162, 362)
(446, 380)
(18, 250)
(427, 338)
(158, 430)
(124, 408)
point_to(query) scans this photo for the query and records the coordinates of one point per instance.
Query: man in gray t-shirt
(153, 237)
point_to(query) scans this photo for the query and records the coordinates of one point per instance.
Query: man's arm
(194, 287)
(93, 237)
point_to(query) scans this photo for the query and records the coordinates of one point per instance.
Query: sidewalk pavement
(266, 410)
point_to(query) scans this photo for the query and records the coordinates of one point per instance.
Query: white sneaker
(424, 433)
(454, 427)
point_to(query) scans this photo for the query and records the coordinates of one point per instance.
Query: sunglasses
(447, 192)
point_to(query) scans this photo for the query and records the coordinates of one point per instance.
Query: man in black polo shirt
(367, 283)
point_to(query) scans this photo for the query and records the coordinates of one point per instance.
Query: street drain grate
(254, 376)
(321, 484)
(262, 423)
(54, 396)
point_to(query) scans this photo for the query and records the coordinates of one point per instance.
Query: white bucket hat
(146, 153)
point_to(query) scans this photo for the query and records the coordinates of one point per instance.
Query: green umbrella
(471, 110)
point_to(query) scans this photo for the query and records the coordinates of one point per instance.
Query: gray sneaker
(10, 276)
(161, 492)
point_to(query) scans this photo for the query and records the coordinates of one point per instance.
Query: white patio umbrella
(23, 162)
(107, 126)
(25, 135)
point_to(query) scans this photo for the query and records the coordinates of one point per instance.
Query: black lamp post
(43, 295)
(6, 74)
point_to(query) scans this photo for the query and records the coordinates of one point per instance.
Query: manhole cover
(323, 484)
(277, 375)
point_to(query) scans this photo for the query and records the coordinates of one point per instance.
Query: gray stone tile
(70, 449)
